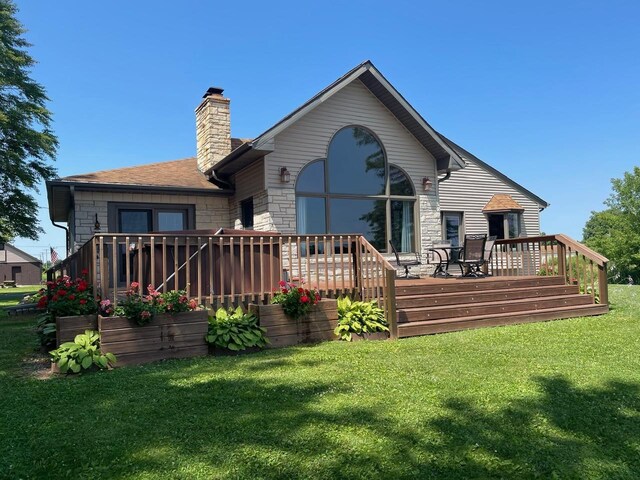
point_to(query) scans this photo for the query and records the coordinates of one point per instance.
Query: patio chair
(472, 255)
(411, 262)
(439, 255)
(488, 251)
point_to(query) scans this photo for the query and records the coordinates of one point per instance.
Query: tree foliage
(615, 232)
(27, 142)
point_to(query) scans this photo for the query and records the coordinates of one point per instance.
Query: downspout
(446, 177)
(66, 237)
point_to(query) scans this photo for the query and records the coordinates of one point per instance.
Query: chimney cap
(213, 91)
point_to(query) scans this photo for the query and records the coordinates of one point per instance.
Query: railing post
(357, 271)
(392, 315)
(603, 285)
(562, 257)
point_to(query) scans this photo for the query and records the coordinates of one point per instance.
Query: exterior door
(452, 227)
(16, 274)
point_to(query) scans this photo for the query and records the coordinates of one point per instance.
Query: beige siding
(250, 182)
(468, 191)
(308, 139)
(210, 212)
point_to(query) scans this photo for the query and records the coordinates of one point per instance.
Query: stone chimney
(213, 129)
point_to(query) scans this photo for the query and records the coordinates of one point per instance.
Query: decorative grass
(548, 400)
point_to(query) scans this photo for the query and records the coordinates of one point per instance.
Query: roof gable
(23, 257)
(446, 157)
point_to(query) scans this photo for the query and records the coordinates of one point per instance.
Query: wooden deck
(430, 305)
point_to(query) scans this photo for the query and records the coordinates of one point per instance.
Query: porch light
(285, 176)
(96, 226)
(426, 184)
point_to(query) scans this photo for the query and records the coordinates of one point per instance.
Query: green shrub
(235, 330)
(359, 317)
(46, 329)
(82, 354)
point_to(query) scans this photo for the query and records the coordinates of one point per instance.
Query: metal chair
(440, 257)
(488, 251)
(472, 255)
(405, 263)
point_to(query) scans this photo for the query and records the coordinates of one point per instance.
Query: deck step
(456, 298)
(477, 321)
(489, 308)
(453, 285)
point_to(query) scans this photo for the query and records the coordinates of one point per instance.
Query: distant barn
(19, 266)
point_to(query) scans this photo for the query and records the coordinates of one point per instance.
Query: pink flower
(135, 286)
(145, 314)
(193, 304)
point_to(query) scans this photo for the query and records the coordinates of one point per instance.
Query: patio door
(452, 227)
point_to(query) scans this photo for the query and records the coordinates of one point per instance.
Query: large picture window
(355, 190)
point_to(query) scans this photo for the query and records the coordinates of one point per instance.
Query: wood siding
(249, 181)
(468, 191)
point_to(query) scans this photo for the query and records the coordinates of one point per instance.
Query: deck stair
(437, 306)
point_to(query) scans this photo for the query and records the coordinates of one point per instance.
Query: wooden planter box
(68, 327)
(370, 336)
(180, 335)
(283, 331)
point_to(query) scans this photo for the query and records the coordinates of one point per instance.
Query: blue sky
(547, 92)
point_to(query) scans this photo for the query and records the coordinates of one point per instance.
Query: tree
(26, 141)
(615, 232)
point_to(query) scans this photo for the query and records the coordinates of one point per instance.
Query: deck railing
(553, 255)
(233, 269)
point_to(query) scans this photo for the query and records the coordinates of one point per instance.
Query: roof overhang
(447, 159)
(60, 193)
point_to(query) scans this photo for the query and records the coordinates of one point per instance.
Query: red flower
(300, 290)
(82, 286)
(72, 297)
(84, 271)
(61, 293)
(183, 299)
(284, 290)
(54, 298)
(42, 303)
(282, 283)
(317, 297)
(83, 301)
(304, 299)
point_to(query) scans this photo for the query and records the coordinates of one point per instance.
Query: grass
(12, 296)
(548, 400)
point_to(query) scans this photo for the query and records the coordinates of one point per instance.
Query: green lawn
(547, 400)
(12, 296)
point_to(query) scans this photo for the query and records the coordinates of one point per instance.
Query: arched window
(355, 190)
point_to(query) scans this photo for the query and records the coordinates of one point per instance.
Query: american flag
(54, 256)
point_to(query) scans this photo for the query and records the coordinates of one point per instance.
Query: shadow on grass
(254, 427)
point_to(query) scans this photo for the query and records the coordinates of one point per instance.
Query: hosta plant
(235, 330)
(46, 329)
(355, 317)
(82, 354)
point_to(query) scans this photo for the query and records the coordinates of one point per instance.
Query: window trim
(387, 197)
(113, 208)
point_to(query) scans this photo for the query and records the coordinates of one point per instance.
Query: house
(18, 266)
(355, 158)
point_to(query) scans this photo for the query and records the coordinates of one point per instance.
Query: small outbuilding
(18, 267)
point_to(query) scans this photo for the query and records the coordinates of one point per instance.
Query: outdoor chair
(439, 255)
(488, 251)
(410, 262)
(472, 255)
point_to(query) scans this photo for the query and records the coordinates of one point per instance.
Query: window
(144, 218)
(504, 225)
(355, 190)
(452, 227)
(246, 213)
